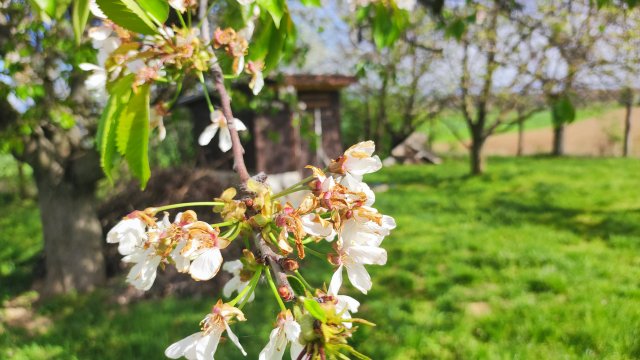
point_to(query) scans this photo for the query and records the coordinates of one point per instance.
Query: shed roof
(319, 82)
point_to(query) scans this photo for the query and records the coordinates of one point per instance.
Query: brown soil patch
(598, 136)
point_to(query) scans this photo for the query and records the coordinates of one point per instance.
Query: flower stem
(301, 278)
(188, 204)
(272, 285)
(248, 288)
(293, 188)
(206, 92)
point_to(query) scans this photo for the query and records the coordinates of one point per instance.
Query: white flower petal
(336, 282)
(208, 134)
(234, 338)
(206, 265)
(224, 142)
(231, 286)
(183, 347)
(239, 125)
(233, 267)
(359, 277)
(370, 255)
(291, 329)
(296, 349)
(271, 350)
(207, 345)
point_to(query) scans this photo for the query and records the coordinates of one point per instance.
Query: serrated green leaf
(129, 15)
(157, 9)
(80, 17)
(119, 94)
(137, 154)
(275, 8)
(315, 309)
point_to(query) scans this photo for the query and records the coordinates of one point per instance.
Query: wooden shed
(282, 139)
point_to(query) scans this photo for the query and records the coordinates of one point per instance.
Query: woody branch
(225, 100)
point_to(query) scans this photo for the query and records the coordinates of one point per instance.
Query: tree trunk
(558, 140)
(66, 177)
(475, 154)
(520, 138)
(72, 237)
(626, 145)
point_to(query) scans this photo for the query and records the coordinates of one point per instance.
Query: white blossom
(128, 234)
(314, 225)
(286, 331)
(345, 304)
(358, 160)
(235, 283)
(179, 5)
(218, 122)
(203, 344)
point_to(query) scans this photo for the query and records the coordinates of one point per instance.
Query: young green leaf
(157, 9)
(137, 154)
(129, 15)
(80, 17)
(315, 309)
(275, 8)
(119, 94)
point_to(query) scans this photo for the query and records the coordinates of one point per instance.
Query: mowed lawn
(538, 259)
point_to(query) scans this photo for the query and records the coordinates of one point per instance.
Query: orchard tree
(47, 123)
(493, 84)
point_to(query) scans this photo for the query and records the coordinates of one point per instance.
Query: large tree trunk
(475, 154)
(626, 146)
(558, 140)
(66, 177)
(72, 236)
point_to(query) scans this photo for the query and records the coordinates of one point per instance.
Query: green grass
(443, 132)
(539, 259)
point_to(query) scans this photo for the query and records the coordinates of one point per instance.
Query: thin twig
(270, 256)
(225, 100)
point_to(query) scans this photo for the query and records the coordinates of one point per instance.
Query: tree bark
(626, 146)
(558, 140)
(66, 177)
(520, 137)
(475, 153)
(72, 237)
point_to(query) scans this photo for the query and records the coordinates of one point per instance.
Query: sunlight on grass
(536, 260)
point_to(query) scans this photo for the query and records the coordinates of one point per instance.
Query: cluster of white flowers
(338, 210)
(193, 246)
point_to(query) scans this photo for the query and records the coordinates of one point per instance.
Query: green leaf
(80, 18)
(157, 9)
(315, 309)
(316, 3)
(119, 94)
(129, 15)
(456, 29)
(276, 8)
(46, 6)
(563, 111)
(137, 154)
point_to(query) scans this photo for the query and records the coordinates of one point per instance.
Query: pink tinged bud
(287, 210)
(285, 293)
(348, 214)
(281, 221)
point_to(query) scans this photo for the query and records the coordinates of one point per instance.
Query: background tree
(492, 74)
(50, 127)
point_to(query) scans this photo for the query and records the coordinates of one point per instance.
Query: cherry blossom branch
(266, 253)
(225, 100)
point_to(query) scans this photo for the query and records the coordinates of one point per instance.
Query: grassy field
(539, 259)
(449, 122)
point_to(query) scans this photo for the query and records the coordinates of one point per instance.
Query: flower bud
(290, 264)
(285, 293)
(248, 202)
